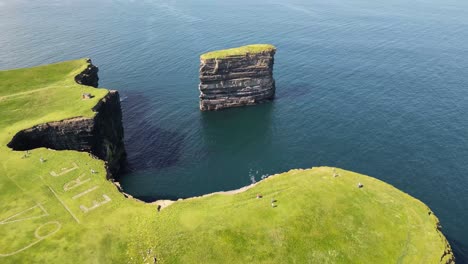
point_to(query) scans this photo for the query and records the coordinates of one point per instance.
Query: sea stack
(237, 77)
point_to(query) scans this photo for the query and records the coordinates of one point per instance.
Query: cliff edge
(52, 199)
(101, 135)
(237, 77)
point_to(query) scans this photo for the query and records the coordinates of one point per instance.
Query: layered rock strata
(236, 80)
(101, 136)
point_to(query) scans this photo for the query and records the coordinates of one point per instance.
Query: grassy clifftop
(244, 50)
(58, 211)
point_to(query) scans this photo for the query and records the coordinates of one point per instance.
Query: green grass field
(244, 50)
(57, 211)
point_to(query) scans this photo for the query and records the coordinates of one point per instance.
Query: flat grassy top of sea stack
(244, 50)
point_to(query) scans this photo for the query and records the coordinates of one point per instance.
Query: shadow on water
(162, 196)
(240, 143)
(233, 128)
(459, 250)
(294, 90)
(228, 137)
(148, 146)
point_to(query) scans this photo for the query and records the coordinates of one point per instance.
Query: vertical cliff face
(89, 76)
(108, 132)
(101, 136)
(236, 79)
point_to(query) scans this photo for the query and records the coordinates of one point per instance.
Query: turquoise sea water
(377, 87)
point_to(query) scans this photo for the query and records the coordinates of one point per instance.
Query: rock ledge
(102, 135)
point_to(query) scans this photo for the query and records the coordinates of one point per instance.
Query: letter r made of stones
(75, 183)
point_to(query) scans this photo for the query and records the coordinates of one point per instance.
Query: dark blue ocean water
(375, 86)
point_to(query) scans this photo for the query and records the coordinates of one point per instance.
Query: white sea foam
(167, 7)
(297, 8)
(170, 8)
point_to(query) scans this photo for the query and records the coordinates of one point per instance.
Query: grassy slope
(318, 218)
(249, 49)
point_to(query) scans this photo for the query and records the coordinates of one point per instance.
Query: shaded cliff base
(101, 135)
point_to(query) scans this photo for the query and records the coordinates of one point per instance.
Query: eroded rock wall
(236, 81)
(101, 136)
(89, 76)
(108, 132)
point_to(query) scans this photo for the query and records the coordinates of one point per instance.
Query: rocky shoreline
(165, 203)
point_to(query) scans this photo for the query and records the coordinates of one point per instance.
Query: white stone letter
(75, 183)
(64, 170)
(96, 204)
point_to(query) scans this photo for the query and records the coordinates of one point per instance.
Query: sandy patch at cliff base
(165, 203)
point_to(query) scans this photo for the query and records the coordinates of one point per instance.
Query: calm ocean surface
(375, 86)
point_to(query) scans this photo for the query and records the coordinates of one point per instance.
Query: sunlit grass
(316, 218)
(244, 50)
